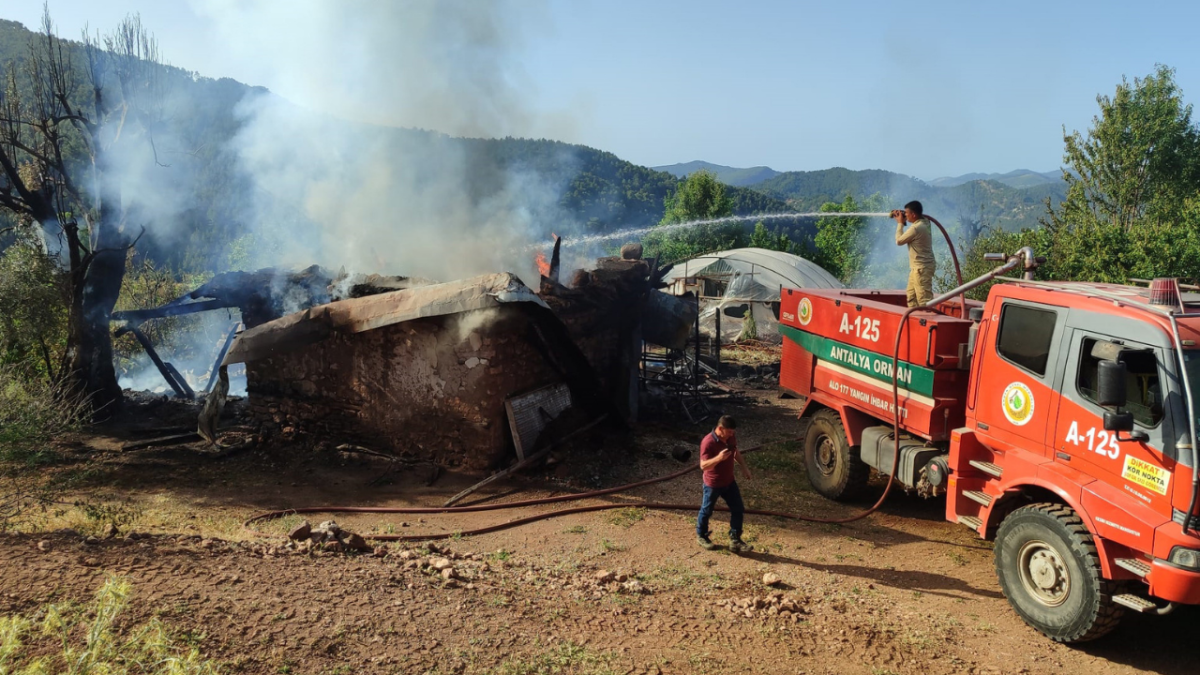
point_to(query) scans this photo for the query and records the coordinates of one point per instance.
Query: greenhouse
(744, 280)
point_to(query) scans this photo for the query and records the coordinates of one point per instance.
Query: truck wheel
(834, 468)
(1049, 571)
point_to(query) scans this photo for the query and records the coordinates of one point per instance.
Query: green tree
(699, 197)
(1139, 162)
(839, 244)
(33, 311)
(1133, 202)
(772, 240)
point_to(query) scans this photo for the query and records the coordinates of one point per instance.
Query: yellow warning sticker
(1146, 474)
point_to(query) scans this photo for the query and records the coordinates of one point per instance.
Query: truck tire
(834, 468)
(1049, 570)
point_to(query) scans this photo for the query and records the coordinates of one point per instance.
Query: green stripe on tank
(912, 377)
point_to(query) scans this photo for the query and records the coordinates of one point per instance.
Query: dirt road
(619, 591)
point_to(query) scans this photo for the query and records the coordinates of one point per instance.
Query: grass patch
(567, 658)
(575, 529)
(785, 457)
(626, 517)
(73, 638)
(611, 546)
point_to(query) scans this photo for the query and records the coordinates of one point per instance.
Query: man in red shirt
(718, 452)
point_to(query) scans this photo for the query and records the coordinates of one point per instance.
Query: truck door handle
(1063, 456)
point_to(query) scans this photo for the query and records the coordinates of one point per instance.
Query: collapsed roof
(362, 314)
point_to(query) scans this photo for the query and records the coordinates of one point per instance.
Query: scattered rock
(91, 541)
(44, 546)
(380, 551)
(407, 555)
(207, 544)
(604, 576)
(771, 579)
(636, 587)
(355, 541)
(91, 562)
(301, 532)
(449, 573)
(110, 531)
(440, 564)
(621, 578)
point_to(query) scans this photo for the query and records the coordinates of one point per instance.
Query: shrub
(33, 411)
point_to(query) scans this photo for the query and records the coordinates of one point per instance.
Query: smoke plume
(342, 177)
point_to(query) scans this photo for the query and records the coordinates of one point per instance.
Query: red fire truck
(1058, 419)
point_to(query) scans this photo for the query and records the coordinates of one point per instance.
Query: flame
(543, 265)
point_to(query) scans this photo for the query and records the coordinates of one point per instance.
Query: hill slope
(1021, 178)
(726, 174)
(998, 204)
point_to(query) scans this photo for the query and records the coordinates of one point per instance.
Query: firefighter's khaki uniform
(921, 263)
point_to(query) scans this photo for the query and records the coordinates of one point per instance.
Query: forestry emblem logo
(805, 311)
(1017, 402)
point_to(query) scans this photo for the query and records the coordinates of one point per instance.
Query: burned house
(458, 373)
(424, 371)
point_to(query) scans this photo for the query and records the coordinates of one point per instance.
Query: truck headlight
(1185, 557)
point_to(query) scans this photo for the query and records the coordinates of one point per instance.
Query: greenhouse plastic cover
(755, 273)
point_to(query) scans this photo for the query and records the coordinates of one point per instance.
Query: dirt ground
(625, 591)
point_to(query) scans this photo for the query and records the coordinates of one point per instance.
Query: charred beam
(554, 260)
(158, 362)
(212, 375)
(138, 316)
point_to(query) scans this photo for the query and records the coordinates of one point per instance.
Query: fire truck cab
(1057, 418)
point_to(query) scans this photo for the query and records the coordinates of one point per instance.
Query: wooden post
(719, 312)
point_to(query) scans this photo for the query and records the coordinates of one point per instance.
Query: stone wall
(430, 388)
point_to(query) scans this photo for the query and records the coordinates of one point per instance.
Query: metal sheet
(528, 413)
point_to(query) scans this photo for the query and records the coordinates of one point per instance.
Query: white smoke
(341, 179)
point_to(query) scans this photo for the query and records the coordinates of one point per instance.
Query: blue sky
(922, 88)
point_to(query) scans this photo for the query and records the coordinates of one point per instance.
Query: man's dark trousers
(733, 499)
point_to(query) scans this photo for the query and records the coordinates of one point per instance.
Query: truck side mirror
(1118, 422)
(1110, 385)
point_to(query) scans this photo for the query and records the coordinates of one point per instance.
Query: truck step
(1137, 604)
(987, 467)
(1138, 566)
(971, 521)
(977, 496)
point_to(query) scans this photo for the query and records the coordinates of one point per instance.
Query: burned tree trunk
(95, 284)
